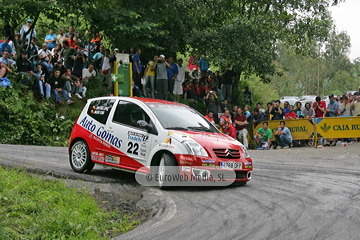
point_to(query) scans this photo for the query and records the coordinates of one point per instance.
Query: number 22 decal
(133, 148)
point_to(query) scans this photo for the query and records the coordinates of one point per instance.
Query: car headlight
(194, 148)
(246, 153)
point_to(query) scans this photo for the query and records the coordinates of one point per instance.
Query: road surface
(300, 193)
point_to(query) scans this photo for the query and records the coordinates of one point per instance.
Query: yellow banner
(338, 127)
(299, 128)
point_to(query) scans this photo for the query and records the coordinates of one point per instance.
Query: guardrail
(318, 128)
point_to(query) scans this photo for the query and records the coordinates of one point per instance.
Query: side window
(129, 114)
(100, 109)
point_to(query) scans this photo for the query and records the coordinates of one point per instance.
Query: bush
(26, 121)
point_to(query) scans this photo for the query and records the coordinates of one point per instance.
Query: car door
(136, 141)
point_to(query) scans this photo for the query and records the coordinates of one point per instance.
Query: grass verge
(34, 208)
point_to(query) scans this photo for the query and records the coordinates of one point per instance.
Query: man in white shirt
(6, 60)
(180, 78)
(86, 75)
(106, 69)
(46, 59)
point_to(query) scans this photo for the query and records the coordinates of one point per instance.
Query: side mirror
(144, 124)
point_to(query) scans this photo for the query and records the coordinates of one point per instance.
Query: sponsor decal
(168, 141)
(220, 143)
(208, 161)
(248, 166)
(137, 137)
(112, 159)
(209, 165)
(166, 145)
(186, 158)
(186, 169)
(100, 133)
(183, 162)
(97, 156)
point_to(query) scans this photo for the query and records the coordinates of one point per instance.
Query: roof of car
(144, 100)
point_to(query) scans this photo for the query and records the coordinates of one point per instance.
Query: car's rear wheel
(167, 167)
(80, 157)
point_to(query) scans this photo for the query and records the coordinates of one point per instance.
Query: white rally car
(140, 134)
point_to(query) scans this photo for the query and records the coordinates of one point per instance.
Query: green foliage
(26, 121)
(34, 208)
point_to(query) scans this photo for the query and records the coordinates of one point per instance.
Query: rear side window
(100, 109)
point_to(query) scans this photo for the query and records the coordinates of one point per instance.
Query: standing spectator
(24, 30)
(5, 47)
(87, 74)
(228, 129)
(188, 92)
(60, 37)
(248, 94)
(79, 61)
(240, 125)
(100, 52)
(298, 109)
(192, 66)
(67, 54)
(210, 117)
(71, 31)
(59, 66)
(172, 72)
(224, 105)
(355, 105)
(204, 64)
(258, 117)
(50, 40)
(286, 108)
(180, 78)
(308, 112)
(333, 108)
(161, 77)
(319, 107)
(106, 68)
(227, 77)
(263, 137)
(72, 41)
(57, 84)
(344, 107)
(212, 103)
(291, 114)
(46, 59)
(137, 68)
(259, 106)
(32, 53)
(283, 136)
(268, 115)
(276, 111)
(149, 76)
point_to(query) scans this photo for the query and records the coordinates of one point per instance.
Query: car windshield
(178, 117)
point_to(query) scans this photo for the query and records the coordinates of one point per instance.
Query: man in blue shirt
(50, 40)
(5, 47)
(203, 64)
(137, 68)
(172, 73)
(283, 136)
(333, 107)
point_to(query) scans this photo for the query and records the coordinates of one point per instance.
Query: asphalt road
(301, 193)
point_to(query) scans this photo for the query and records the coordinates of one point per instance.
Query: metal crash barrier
(318, 128)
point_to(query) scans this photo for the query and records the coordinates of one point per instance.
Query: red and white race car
(147, 135)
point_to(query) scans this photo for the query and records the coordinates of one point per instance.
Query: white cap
(209, 70)
(116, 49)
(162, 56)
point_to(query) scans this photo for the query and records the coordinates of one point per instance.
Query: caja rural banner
(299, 128)
(338, 127)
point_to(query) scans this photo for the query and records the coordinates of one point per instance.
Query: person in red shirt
(241, 122)
(72, 41)
(319, 107)
(210, 117)
(291, 114)
(229, 130)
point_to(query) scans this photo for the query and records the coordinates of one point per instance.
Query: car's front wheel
(80, 157)
(167, 167)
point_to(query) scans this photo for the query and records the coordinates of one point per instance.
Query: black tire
(80, 160)
(166, 161)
